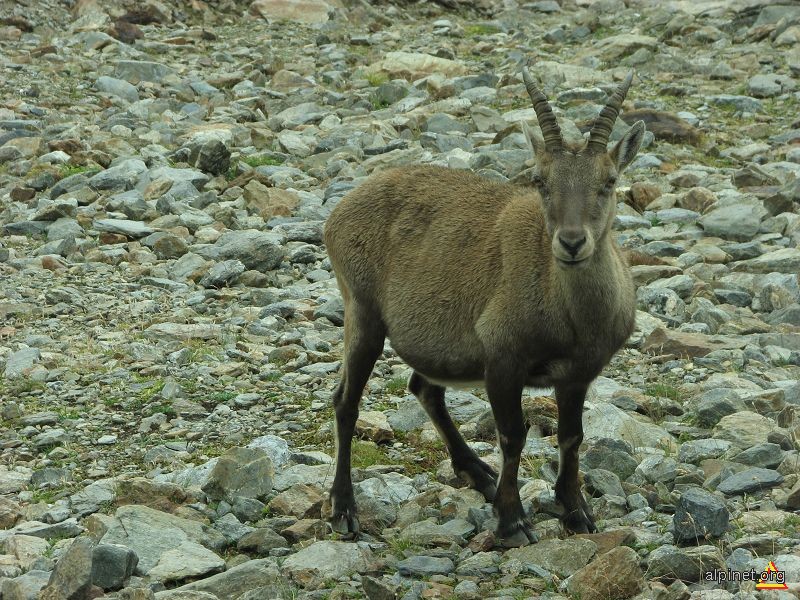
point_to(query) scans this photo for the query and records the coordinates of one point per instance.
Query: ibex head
(577, 184)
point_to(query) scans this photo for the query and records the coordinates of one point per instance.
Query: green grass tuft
(663, 390)
(376, 79)
(263, 161)
(396, 386)
(67, 170)
(367, 454)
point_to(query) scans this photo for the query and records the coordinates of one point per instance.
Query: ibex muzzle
(478, 281)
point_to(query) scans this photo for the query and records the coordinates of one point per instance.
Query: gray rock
(24, 587)
(391, 92)
(72, 577)
(734, 297)
(257, 250)
(117, 87)
(126, 227)
(608, 421)
(261, 541)
(694, 451)
(184, 331)
(750, 480)
(276, 448)
(615, 574)
(600, 482)
(715, 404)
(738, 222)
(64, 529)
(327, 560)
(233, 583)
(320, 475)
(135, 71)
(213, 157)
(766, 456)
(656, 468)
(154, 535)
(187, 595)
(186, 561)
(661, 301)
(378, 589)
(112, 565)
(560, 557)
(167, 245)
(233, 530)
(321, 369)
(304, 231)
(120, 177)
(767, 86)
(246, 472)
(430, 533)
(21, 361)
(222, 274)
(614, 455)
(739, 103)
(784, 260)
(69, 183)
(744, 429)
(178, 177)
(699, 515)
(425, 566)
(481, 564)
(56, 209)
(687, 564)
(333, 310)
(248, 509)
(64, 228)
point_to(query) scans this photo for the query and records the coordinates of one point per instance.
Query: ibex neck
(589, 284)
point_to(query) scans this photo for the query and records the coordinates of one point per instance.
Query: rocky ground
(170, 331)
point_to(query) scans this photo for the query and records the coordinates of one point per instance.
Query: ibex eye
(609, 187)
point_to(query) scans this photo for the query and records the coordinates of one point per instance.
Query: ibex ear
(625, 150)
(535, 142)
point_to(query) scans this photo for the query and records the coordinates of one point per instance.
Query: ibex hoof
(520, 534)
(480, 477)
(579, 521)
(346, 525)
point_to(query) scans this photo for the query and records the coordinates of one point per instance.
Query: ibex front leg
(504, 387)
(577, 517)
(363, 343)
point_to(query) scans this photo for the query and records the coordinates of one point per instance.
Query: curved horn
(598, 138)
(544, 114)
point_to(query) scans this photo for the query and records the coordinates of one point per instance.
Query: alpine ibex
(492, 284)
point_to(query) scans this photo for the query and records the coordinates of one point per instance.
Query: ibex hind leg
(466, 463)
(363, 343)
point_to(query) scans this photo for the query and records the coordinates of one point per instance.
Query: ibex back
(492, 284)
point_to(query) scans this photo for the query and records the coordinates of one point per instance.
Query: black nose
(572, 243)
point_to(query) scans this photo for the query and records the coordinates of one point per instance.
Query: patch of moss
(481, 29)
